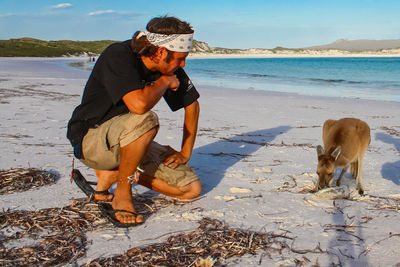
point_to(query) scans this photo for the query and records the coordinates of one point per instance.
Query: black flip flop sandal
(85, 186)
(107, 210)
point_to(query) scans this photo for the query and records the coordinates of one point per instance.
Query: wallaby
(345, 143)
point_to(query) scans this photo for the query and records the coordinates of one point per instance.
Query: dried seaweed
(391, 130)
(385, 203)
(23, 179)
(59, 232)
(233, 155)
(252, 142)
(212, 239)
(32, 90)
(60, 236)
(283, 144)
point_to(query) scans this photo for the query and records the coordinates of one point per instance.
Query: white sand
(247, 184)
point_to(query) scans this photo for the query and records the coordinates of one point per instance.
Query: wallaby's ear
(336, 152)
(320, 150)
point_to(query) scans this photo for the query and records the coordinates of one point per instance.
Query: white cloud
(102, 12)
(62, 5)
(7, 15)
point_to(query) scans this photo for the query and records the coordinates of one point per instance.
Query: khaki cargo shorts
(101, 148)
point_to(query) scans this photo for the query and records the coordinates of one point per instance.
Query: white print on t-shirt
(190, 85)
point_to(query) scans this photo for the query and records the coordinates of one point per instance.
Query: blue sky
(231, 24)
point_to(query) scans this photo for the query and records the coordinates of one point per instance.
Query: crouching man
(113, 128)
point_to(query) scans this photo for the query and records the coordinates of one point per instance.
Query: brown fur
(345, 143)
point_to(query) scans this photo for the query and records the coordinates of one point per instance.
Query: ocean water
(375, 78)
(365, 78)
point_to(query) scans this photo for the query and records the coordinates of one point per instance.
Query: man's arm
(189, 136)
(190, 128)
(143, 100)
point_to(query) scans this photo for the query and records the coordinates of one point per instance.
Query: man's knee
(193, 190)
(152, 132)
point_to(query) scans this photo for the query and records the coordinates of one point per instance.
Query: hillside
(30, 47)
(359, 45)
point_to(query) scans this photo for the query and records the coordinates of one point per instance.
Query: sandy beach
(255, 154)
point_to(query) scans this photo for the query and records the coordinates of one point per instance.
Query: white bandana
(173, 42)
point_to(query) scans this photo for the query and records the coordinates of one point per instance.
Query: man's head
(167, 40)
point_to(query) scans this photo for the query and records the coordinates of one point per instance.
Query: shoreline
(305, 54)
(294, 55)
(262, 92)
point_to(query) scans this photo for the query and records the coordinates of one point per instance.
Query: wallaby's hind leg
(354, 169)
(359, 177)
(340, 176)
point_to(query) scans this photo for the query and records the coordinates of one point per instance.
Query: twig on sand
(317, 249)
(283, 144)
(386, 238)
(243, 197)
(343, 228)
(286, 185)
(385, 203)
(348, 256)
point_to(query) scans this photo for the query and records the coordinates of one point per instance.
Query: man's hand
(171, 81)
(173, 158)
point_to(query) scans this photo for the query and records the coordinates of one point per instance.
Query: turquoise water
(366, 78)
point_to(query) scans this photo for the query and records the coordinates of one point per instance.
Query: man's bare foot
(125, 204)
(105, 180)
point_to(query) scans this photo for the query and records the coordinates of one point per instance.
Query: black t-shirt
(117, 72)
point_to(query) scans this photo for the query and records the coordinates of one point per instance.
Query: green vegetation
(280, 49)
(220, 50)
(30, 47)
